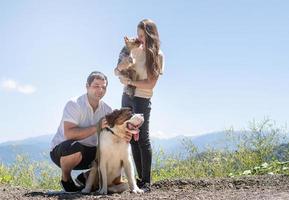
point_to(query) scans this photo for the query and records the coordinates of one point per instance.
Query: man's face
(96, 90)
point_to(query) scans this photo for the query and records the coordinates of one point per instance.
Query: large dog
(114, 155)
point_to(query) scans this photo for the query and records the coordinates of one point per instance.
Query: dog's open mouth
(131, 126)
(134, 124)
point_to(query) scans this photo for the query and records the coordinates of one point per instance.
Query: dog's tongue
(132, 127)
(136, 137)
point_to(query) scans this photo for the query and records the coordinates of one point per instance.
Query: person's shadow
(62, 195)
(65, 195)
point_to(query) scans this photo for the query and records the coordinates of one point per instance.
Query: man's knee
(71, 159)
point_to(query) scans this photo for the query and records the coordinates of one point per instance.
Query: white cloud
(26, 89)
(12, 85)
(162, 135)
(165, 135)
(9, 85)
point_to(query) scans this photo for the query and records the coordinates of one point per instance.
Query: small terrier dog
(129, 71)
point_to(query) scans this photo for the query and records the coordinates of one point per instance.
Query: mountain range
(37, 148)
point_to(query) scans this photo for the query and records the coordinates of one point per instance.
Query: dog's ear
(126, 40)
(137, 41)
(110, 118)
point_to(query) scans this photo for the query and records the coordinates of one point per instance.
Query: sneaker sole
(67, 192)
(63, 190)
(79, 183)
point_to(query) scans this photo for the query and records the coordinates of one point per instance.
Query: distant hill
(179, 145)
(39, 140)
(37, 148)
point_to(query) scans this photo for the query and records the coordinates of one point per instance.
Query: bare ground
(271, 187)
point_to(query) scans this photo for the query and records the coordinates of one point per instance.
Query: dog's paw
(102, 192)
(85, 191)
(137, 191)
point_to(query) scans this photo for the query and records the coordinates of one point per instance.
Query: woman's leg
(142, 151)
(128, 102)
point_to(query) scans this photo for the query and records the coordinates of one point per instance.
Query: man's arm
(73, 132)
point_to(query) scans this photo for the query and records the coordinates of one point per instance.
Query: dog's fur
(129, 71)
(115, 155)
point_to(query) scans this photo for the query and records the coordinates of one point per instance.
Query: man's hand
(104, 124)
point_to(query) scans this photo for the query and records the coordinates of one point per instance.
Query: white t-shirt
(80, 112)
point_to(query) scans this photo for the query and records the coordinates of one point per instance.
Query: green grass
(253, 156)
(29, 174)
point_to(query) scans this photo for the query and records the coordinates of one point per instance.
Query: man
(74, 145)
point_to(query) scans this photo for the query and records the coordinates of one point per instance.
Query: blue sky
(227, 62)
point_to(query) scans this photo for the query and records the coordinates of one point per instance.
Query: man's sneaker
(81, 180)
(69, 186)
(146, 187)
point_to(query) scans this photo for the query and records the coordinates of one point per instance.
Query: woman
(149, 65)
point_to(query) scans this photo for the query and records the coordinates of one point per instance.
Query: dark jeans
(141, 149)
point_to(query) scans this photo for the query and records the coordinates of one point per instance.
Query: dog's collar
(110, 130)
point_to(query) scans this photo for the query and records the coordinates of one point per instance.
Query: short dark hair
(96, 75)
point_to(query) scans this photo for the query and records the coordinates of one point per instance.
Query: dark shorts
(70, 147)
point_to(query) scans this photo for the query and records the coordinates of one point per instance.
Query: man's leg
(71, 155)
(68, 163)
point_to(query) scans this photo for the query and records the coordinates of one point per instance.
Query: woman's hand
(125, 81)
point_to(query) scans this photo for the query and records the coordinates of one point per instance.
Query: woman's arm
(145, 84)
(148, 83)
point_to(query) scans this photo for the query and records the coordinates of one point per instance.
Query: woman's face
(141, 36)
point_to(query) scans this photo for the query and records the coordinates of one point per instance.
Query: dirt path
(271, 187)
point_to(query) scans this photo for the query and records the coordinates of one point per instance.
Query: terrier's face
(131, 43)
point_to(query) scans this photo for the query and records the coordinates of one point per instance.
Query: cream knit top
(140, 58)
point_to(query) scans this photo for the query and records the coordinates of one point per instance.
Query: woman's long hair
(152, 46)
